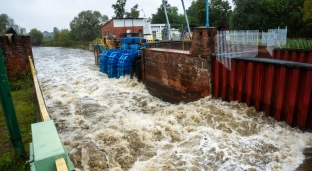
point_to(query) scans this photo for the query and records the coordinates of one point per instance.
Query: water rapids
(114, 124)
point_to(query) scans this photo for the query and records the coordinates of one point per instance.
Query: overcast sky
(47, 14)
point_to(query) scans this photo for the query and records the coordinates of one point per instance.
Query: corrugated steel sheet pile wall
(293, 55)
(282, 89)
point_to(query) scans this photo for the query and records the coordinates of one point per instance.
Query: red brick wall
(16, 55)
(203, 41)
(109, 28)
(175, 76)
(178, 76)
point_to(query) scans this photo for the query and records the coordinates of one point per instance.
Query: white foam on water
(114, 124)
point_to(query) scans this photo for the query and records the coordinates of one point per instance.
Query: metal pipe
(188, 26)
(168, 24)
(9, 111)
(207, 13)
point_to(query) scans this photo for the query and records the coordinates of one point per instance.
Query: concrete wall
(16, 55)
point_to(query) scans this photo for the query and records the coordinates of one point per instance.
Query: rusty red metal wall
(281, 89)
(293, 55)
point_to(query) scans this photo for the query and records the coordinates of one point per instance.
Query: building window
(140, 33)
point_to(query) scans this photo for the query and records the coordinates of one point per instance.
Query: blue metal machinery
(120, 61)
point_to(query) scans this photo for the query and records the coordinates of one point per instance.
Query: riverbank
(21, 91)
(68, 44)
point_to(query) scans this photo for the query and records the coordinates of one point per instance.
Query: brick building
(117, 26)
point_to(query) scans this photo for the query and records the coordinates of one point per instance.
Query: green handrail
(9, 111)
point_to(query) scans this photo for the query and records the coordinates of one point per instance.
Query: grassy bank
(21, 91)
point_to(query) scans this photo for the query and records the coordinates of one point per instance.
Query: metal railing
(244, 43)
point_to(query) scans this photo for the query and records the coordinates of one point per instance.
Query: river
(114, 124)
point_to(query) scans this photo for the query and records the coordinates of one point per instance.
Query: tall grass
(299, 44)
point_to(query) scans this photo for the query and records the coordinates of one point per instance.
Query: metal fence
(244, 43)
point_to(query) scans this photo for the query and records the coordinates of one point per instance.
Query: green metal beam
(9, 111)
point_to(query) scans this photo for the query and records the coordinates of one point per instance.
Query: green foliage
(6, 22)
(249, 15)
(70, 44)
(23, 82)
(49, 38)
(219, 12)
(268, 14)
(134, 12)
(63, 39)
(56, 33)
(307, 10)
(173, 16)
(36, 37)
(119, 8)
(87, 25)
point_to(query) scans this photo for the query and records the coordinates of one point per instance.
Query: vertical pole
(207, 13)
(168, 24)
(188, 26)
(9, 111)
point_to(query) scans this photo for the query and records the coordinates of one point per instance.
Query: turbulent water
(114, 124)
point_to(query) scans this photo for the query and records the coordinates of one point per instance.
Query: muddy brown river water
(114, 124)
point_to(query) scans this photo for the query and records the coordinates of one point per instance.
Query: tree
(267, 14)
(174, 18)
(87, 25)
(36, 37)
(119, 8)
(64, 40)
(56, 33)
(249, 15)
(219, 12)
(6, 22)
(307, 10)
(134, 12)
